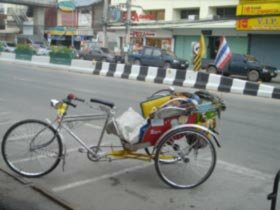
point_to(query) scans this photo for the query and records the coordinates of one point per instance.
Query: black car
(153, 56)
(99, 54)
(243, 65)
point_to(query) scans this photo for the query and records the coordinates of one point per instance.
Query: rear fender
(191, 126)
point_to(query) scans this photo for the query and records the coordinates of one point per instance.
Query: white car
(7, 48)
(42, 51)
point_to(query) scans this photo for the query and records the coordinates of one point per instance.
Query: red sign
(69, 19)
(141, 33)
(137, 17)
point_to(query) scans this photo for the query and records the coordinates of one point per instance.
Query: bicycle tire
(189, 147)
(31, 148)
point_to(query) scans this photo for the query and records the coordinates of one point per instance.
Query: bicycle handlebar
(106, 103)
(71, 96)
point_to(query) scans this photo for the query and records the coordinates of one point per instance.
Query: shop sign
(258, 1)
(142, 34)
(135, 17)
(68, 19)
(258, 9)
(261, 23)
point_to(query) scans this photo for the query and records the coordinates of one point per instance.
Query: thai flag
(223, 55)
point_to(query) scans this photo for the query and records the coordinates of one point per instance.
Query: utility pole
(127, 38)
(105, 23)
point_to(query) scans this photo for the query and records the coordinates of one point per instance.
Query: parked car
(243, 65)
(153, 56)
(41, 50)
(8, 47)
(99, 54)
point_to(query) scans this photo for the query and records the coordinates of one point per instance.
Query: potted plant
(61, 55)
(24, 52)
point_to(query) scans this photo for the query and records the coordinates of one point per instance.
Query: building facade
(177, 24)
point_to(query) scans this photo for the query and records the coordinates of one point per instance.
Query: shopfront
(154, 38)
(261, 20)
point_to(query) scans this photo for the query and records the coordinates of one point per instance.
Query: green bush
(61, 49)
(23, 48)
(61, 55)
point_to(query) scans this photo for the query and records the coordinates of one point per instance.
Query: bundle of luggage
(162, 112)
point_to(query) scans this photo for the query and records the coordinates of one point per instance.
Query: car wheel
(253, 75)
(166, 65)
(82, 58)
(103, 60)
(137, 62)
(212, 70)
(267, 78)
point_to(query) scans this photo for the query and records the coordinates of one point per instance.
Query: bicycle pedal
(82, 150)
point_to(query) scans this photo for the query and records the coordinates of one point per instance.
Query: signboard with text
(261, 23)
(266, 14)
(258, 9)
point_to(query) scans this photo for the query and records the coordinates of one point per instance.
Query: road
(246, 165)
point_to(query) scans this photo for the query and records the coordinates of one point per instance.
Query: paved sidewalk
(18, 194)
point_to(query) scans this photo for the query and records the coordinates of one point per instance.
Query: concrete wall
(172, 6)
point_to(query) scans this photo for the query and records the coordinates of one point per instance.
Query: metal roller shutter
(266, 48)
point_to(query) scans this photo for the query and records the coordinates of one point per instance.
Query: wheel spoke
(195, 158)
(31, 148)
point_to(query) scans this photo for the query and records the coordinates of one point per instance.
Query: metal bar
(77, 138)
(84, 117)
(273, 195)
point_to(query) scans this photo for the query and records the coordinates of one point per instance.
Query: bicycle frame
(64, 119)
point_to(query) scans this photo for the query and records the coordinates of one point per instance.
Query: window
(157, 52)
(186, 13)
(148, 51)
(85, 11)
(226, 12)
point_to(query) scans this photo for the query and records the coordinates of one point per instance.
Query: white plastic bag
(129, 124)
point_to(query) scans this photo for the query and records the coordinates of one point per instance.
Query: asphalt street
(247, 161)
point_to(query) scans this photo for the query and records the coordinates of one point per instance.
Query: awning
(84, 3)
(62, 31)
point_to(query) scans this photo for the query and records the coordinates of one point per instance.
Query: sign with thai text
(258, 9)
(135, 17)
(261, 23)
(142, 34)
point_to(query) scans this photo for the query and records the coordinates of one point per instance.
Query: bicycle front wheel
(32, 148)
(185, 158)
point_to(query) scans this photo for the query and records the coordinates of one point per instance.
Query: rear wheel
(212, 70)
(253, 75)
(32, 148)
(185, 158)
(267, 78)
(167, 65)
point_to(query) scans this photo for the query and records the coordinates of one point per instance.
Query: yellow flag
(199, 55)
(202, 50)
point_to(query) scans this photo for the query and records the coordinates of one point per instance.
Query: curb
(189, 78)
(20, 184)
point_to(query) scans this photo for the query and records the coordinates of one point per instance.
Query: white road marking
(4, 113)
(93, 126)
(41, 156)
(244, 170)
(221, 164)
(6, 123)
(95, 179)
